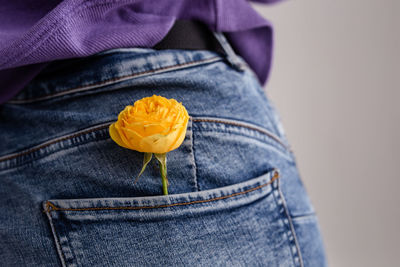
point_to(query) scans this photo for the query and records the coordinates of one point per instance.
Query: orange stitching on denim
(249, 127)
(51, 207)
(108, 124)
(105, 82)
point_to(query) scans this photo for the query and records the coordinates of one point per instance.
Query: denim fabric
(67, 192)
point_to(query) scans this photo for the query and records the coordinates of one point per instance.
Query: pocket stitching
(57, 241)
(49, 206)
(60, 246)
(11, 160)
(280, 200)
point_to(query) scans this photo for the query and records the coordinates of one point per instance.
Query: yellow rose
(153, 124)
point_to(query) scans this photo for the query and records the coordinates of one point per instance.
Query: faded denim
(67, 193)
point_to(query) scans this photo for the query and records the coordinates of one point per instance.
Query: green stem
(163, 171)
(162, 162)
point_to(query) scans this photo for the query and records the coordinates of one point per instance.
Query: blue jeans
(67, 192)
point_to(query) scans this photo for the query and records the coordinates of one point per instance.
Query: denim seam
(270, 113)
(270, 144)
(103, 126)
(305, 216)
(249, 127)
(58, 245)
(117, 79)
(77, 247)
(71, 257)
(288, 222)
(194, 158)
(56, 140)
(49, 207)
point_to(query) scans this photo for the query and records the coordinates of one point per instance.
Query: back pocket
(244, 223)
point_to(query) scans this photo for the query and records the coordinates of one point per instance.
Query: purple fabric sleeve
(51, 30)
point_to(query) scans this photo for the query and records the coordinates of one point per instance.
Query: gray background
(335, 82)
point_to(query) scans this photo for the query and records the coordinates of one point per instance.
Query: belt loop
(230, 55)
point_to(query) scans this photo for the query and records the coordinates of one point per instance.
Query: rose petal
(115, 136)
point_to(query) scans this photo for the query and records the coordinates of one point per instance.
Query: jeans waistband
(189, 34)
(118, 65)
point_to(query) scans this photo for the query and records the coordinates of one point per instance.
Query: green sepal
(162, 162)
(146, 159)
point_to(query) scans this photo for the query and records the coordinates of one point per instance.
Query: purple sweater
(36, 32)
